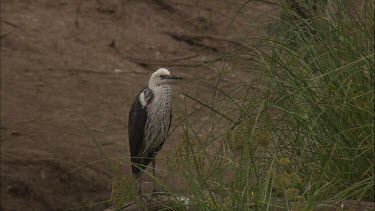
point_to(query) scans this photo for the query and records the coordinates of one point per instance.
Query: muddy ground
(68, 62)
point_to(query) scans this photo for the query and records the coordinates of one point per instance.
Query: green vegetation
(308, 138)
(300, 137)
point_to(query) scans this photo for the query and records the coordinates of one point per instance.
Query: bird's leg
(139, 192)
(153, 172)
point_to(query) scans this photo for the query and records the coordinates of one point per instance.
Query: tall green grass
(305, 137)
(321, 75)
(300, 136)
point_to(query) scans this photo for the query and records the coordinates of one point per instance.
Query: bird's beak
(172, 77)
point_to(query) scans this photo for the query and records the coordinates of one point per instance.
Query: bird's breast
(158, 117)
(162, 101)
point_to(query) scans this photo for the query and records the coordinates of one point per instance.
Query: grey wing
(136, 127)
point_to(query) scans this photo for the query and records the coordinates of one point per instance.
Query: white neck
(152, 84)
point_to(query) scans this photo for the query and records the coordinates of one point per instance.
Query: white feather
(142, 99)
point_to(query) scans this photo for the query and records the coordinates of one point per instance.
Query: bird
(150, 118)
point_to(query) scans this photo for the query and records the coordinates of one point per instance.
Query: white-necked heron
(150, 118)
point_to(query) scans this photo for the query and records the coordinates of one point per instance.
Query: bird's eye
(163, 76)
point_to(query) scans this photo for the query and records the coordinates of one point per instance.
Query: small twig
(204, 36)
(10, 23)
(171, 63)
(6, 34)
(190, 40)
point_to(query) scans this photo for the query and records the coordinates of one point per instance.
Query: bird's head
(161, 76)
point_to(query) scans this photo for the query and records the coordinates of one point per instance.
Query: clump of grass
(320, 71)
(316, 64)
(176, 162)
(123, 190)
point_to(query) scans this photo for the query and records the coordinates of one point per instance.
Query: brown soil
(64, 62)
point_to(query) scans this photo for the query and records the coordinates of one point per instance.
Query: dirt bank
(64, 62)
